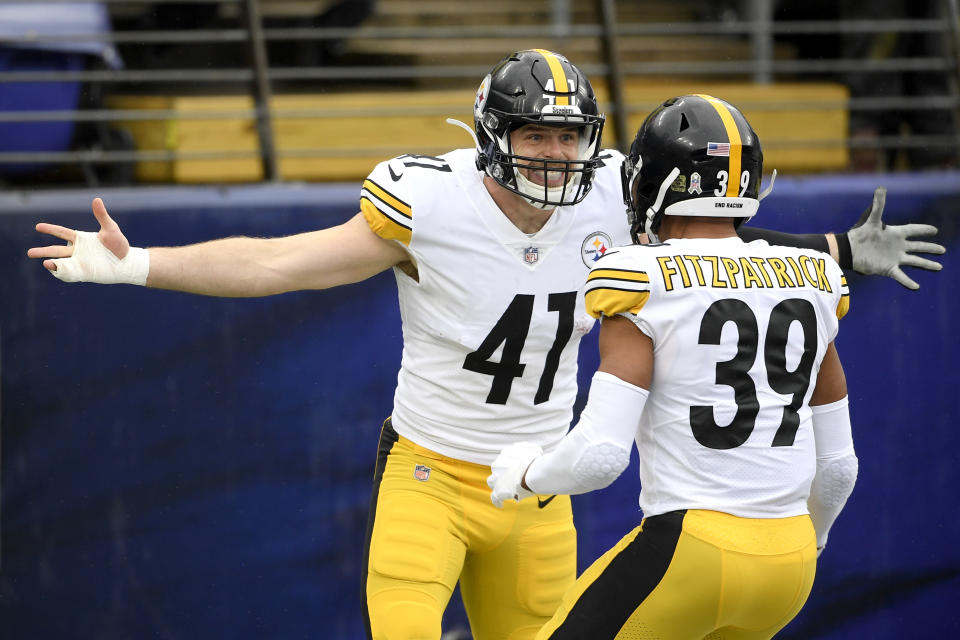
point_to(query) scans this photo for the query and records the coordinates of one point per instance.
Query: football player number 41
(511, 331)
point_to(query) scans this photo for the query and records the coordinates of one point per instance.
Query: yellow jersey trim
(382, 224)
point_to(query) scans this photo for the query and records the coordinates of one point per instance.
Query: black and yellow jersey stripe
(844, 305)
(388, 216)
(611, 291)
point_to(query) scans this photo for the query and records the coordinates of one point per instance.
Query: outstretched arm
(870, 247)
(229, 267)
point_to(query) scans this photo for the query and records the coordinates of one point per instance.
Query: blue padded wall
(175, 466)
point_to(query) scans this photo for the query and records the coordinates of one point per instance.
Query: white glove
(879, 249)
(93, 262)
(508, 470)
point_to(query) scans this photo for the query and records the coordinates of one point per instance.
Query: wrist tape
(93, 262)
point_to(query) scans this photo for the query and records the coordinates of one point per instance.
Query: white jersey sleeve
(385, 198)
(739, 332)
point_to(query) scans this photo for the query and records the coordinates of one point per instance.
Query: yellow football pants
(432, 524)
(692, 575)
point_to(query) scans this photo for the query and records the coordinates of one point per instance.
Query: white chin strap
(529, 188)
(766, 192)
(647, 228)
(652, 211)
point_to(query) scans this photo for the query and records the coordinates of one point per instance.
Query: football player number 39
(736, 372)
(723, 176)
(511, 331)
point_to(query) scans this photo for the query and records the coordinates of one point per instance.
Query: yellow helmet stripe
(559, 76)
(736, 145)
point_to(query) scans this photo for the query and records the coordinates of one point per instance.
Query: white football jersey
(491, 327)
(739, 332)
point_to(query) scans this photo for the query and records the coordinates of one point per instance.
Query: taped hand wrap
(93, 262)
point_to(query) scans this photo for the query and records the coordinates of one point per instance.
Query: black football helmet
(537, 87)
(695, 155)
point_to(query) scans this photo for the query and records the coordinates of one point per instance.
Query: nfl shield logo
(531, 255)
(421, 473)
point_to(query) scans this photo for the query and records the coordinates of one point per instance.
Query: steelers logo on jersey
(594, 247)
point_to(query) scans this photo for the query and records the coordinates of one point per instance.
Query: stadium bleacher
(409, 65)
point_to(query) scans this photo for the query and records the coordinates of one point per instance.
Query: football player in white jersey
(490, 247)
(717, 359)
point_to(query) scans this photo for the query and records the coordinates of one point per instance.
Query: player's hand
(105, 257)
(880, 249)
(508, 470)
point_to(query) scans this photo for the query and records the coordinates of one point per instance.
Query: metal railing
(252, 34)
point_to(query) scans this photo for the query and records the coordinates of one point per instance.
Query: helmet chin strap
(652, 211)
(648, 227)
(527, 187)
(766, 192)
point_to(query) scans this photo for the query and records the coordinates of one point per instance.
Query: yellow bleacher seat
(803, 128)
